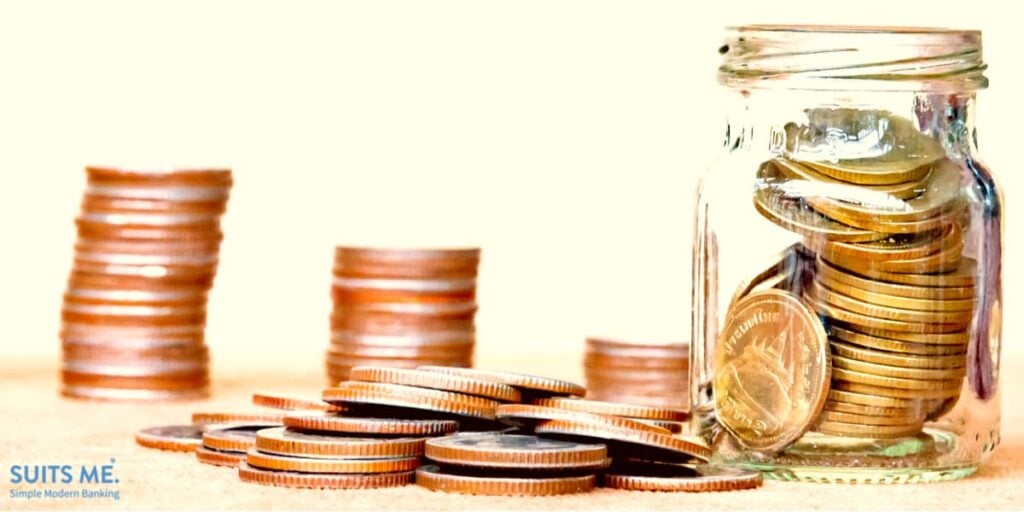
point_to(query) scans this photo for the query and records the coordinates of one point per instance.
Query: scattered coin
(323, 481)
(523, 415)
(511, 451)
(436, 380)
(620, 441)
(329, 422)
(532, 385)
(291, 403)
(434, 479)
(219, 458)
(236, 418)
(284, 441)
(175, 438)
(646, 476)
(394, 395)
(261, 460)
(614, 409)
(232, 439)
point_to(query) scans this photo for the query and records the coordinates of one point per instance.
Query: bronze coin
(176, 438)
(523, 415)
(513, 451)
(529, 384)
(219, 458)
(284, 441)
(321, 480)
(614, 409)
(291, 403)
(329, 422)
(436, 380)
(640, 443)
(432, 478)
(244, 418)
(639, 476)
(395, 395)
(261, 460)
(232, 439)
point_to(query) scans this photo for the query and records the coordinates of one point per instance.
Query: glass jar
(846, 270)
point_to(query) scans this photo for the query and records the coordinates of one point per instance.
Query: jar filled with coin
(846, 274)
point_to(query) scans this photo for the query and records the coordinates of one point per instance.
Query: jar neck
(756, 118)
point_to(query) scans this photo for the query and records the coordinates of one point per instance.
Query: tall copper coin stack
(881, 262)
(637, 373)
(135, 307)
(402, 308)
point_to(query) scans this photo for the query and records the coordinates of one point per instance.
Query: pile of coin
(135, 307)
(402, 308)
(468, 424)
(637, 373)
(883, 215)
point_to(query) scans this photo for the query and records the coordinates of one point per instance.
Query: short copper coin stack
(135, 307)
(402, 308)
(638, 373)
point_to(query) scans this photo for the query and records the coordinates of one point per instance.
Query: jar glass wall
(847, 296)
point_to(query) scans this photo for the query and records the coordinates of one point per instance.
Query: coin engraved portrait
(772, 371)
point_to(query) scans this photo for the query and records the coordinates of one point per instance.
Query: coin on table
(772, 370)
(646, 476)
(625, 442)
(175, 438)
(219, 458)
(244, 418)
(615, 409)
(251, 474)
(409, 397)
(514, 451)
(291, 403)
(436, 380)
(258, 459)
(527, 416)
(330, 422)
(829, 274)
(232, 439)
(283, 441)
(532, 385)
(434, 479)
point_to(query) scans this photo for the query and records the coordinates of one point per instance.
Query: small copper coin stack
(402, 308)
(135, 307)
(644, 374)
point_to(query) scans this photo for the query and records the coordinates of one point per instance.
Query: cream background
(564, 137)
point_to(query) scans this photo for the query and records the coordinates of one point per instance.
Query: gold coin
(882, 391)
(899, 360)
(836, 428)
(896, 371)
(963, 276)
(906, 190)
(776, 200)
(640, 476)
(893, 301)
(831, 274)
(771, 370)
(869, 410)
(862, 146)
(946, 260)
(851, 397)
(954, 214)
(898, 246)
(902, 383)
(959, 338)
(850, 317)
(867, 210)
(615, 409)
(840, 300)
(863, 419)
(775, 271)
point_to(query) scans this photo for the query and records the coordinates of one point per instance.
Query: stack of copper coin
(637, 373)
(135, 308)
(402, 308)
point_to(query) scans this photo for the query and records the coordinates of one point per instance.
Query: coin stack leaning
(888, 275)
(643, 374)
(402, 308)
(134, 311)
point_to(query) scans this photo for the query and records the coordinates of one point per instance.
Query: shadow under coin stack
(402, 308)
(644, 374)
(134, 311)
(882, 263)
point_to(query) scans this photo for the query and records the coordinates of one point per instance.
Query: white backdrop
(564, 137)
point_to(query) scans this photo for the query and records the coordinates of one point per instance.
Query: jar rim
(839, 57)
